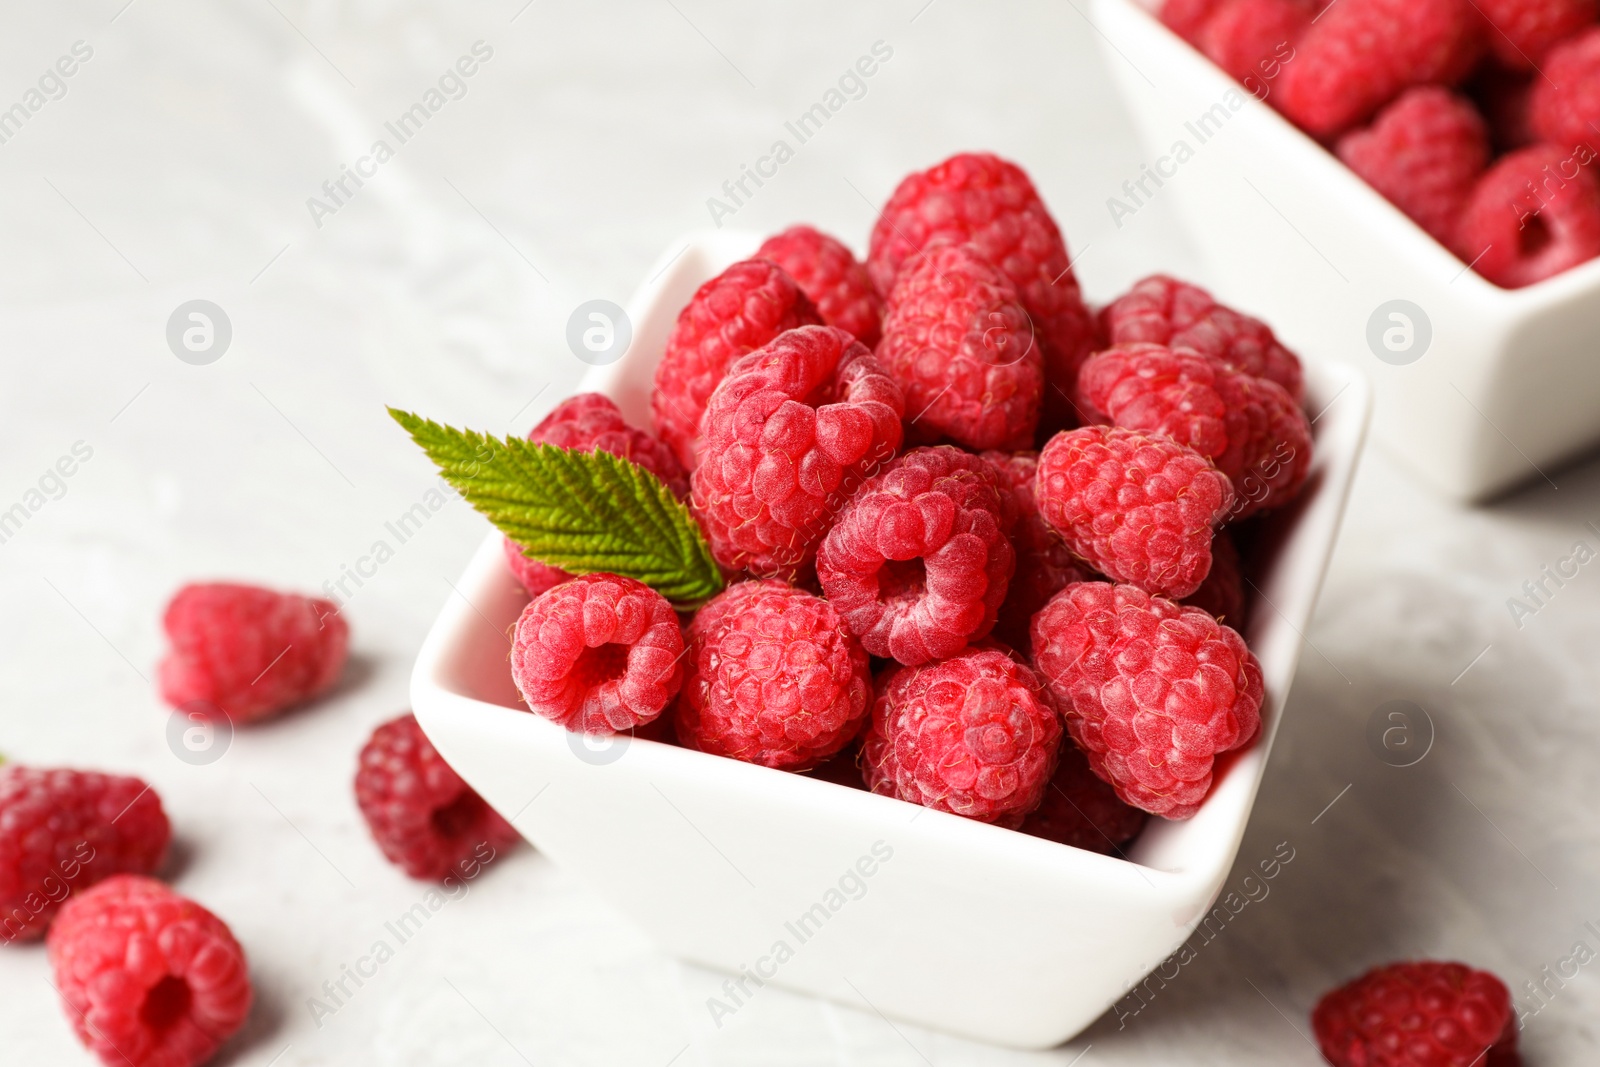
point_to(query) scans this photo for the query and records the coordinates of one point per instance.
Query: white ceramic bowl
(870, 901)
(1510, 384)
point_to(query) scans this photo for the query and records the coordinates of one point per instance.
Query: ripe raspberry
(1361, 54)
(1250, 39)
(1222, 593)
(1425, 152)
(591, 422)
(598, 654)
(789, 435)
(1249, 427)
(961, 347)
(831, 277)
(149, 978)
(1535, 214)
(976, 735)
(1524, 31)
(989, 203)
(772, 677)
(1045, 565)
(62, 831)
(427, 821)
(1164, 311)
(1422, 1014)
(1138, 507)
(1082, 811)
(919, 561)
(1187, 18)
(1152, 691)
(736, 312)
(1564, 107)
(249, 652)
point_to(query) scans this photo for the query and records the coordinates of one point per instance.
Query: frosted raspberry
(1421, 1014)
(598, 654)
(832, 277)
(736, 312)
(1535, 214)
(591, 422)
(772, 677)
(1425, 153)
(990, 203)
(1045, 565)
(1252, 39)
(1164, 311)
(1524, 31)
(1249, 427)
(1138, 507)
(1222, 593)
(427, 821)
(918, 561)
(148, 978)
(249, 652)
(61, 831)
(1152, 691)
(1080, 810)
(1564, 107)
(789, 435)
(962, 348)
(975, 735)
(1361, 54)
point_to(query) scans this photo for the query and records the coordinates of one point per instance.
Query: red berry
(789, 435)
(1138, 507)
(1152, 691)
(1187, 18)
(1045, 565)
(1422, 1014)
(1535, 214)
(962, 348)
(1564, 107)
(1222, 593)
(1249, 427)
(148, 978)
(919, 561)
(249, 652)
(1425, 152)
(1253, 40)
(1082, 811)
(976, 735)
(772, 677)
(61, 831)
(591, 422)
(427, 821)
(991, 204)
(736, 312)
(1361, 54)
(1164, 311)
(1523, 32)
(832, 277)
(598, 654)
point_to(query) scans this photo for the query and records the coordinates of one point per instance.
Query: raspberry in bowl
(1378, 154)
(727, 857)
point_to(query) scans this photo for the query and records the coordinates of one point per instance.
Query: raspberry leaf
(581, 511)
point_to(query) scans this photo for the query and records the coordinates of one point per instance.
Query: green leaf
(580, 511)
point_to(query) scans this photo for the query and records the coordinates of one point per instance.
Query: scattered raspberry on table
(61, 831)
(423, 816)
(831, 276)
(976, 734)
(1152, 691)
(1418, 1014)
(598, 654)
(148, 978)
(772, 677)
(249, 652)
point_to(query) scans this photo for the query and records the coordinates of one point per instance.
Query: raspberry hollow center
(166, 1002)
(601, 664)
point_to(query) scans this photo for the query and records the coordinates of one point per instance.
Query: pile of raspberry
(1479, 119)
(979, 538)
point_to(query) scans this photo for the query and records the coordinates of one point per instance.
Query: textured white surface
(191, 141)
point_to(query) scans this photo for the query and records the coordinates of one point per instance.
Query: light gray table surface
(178, 164)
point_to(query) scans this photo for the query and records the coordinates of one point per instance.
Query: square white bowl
(1510, 384)
(959, 926)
